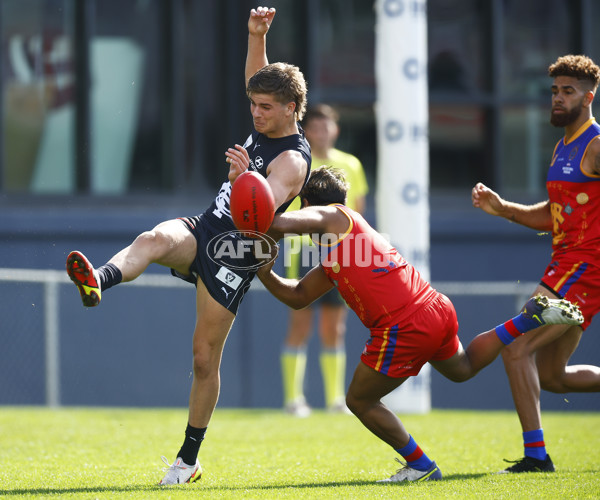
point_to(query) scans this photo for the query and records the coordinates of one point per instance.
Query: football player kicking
(410, 322)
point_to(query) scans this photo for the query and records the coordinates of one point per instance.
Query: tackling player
(410, 323)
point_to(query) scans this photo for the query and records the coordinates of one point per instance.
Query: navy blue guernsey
(262, 151)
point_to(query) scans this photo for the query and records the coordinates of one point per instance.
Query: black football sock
(109, 275)
(191, 444)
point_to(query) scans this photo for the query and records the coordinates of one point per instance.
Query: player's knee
(458, 376)
(359, 406)
(512, 354)
(154, 242)
(203, 366)
(353, 404)
(552, 383)
(146, 238)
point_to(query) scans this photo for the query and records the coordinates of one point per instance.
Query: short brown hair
(580, 67)
(284, 81)
(319, 112)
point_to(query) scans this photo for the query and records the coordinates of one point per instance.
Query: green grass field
(115, 453)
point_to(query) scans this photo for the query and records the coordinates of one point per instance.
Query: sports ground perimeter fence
(46, 286)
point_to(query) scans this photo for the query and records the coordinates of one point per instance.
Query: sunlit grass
(115, 453)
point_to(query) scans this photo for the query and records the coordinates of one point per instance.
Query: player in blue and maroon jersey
(572, 213)
(410, 323)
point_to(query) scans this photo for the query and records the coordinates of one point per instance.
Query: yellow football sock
(293, 367)
(333, 369)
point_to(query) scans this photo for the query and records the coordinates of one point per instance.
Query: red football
(252, 203)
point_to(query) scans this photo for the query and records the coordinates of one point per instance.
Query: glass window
(346, 44)
(535, 34)
(456, 45)
(594, 34)
(528, 140)
(456, 153)
(38, 98)
(124, 97)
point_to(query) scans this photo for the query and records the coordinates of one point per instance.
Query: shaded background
(116, 115)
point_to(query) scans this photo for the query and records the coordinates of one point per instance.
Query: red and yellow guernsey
(373, 278)
(575, 197)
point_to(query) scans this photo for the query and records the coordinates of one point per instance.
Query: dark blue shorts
(226, 274)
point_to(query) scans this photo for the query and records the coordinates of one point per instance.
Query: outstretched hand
(489, 201)
(260, 20)
(238, 160)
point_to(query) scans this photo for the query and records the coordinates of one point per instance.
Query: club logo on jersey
(222, 201)
(228, 277)
(582, 198)
(573, 152)
(235, 250)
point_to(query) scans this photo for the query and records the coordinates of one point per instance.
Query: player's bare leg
(364, 400)
(332, 325)
(332, 330)
(169, 244)
(300, 327)
(556, 316)
(556, 375)
(465, 364)
(213, 324)
(520, 364)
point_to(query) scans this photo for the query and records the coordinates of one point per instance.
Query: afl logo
(234, 250)
(573, 152)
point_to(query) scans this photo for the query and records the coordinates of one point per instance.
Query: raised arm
(258, 25)
(536, 216)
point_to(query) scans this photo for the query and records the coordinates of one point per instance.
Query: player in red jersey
(409, 321)
(572, 212)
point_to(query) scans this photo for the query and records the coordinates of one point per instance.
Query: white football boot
(180, 473)
(547, 311)
(407, 473)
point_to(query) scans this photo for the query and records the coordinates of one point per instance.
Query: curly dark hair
(284, 81)
(577, 66)
(326, 185)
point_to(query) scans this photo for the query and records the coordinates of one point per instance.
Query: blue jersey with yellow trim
(575, 195)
